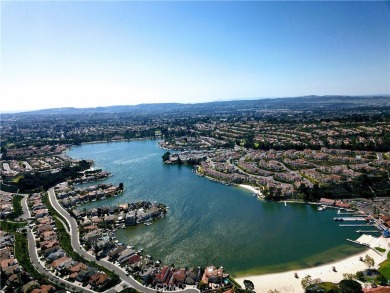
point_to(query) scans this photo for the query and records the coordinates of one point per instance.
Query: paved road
(379, 156)
(41, 269)
(77, 247)
(64, 224)
(35, 260)
(26, 210)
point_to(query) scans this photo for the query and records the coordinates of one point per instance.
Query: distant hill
(380, 100)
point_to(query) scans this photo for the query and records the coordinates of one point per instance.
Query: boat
(321, 208)
(148, 223)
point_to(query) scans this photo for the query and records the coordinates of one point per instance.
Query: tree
(249, 285)
(306, 281)
(360, 276)
(369, 261)
(381, 279)
(202, 286)
(350, 286)
(165, 156)
(348, 276)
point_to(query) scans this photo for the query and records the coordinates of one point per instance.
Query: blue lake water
(213, 224)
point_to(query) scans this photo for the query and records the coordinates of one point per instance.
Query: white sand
(251, 188)
(286, 282)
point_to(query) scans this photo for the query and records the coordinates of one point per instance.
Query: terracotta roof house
(98, 280)
(379, 289)
(327, 201)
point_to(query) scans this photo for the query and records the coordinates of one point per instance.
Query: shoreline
(251, 188)
(286, 281)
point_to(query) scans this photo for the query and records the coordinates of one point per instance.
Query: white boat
(320, 209)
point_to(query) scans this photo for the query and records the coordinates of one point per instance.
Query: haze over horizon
(89, 54)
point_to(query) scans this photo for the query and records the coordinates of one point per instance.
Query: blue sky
(81, 54)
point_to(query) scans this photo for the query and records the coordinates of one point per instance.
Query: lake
(212, 224)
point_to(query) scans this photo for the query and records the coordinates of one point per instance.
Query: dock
(355, 225)
(349, 219)
(368, 231)
(359, 243)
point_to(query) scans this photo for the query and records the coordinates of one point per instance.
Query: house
(44, 228)
(44, 289)
(59, 261)
(379, 289)
(10, 270)
(13, 279)
(109, 219)
(163, 275)
(27, 287)
(73, 276)
(327, 201)
(55, 255)
(8, 263)
(85, 275)
(115, 252)
(147, 274)
(48, 244)
(131, 218)
(41, 213)
(212, 275)
(92, 236)
(48, 235)
(133, 259)
(179, 276)
(98, 280)
(340, 204)
(78, 267)
(51, 250)
(125, 255)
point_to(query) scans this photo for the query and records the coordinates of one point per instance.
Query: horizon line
(189, 103)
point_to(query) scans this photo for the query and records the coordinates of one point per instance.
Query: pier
(357, 242)
(355, 225)
(367, 231)
(349, 219)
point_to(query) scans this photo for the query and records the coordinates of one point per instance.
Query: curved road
(75, 240)
(41, 269)
(35, 259)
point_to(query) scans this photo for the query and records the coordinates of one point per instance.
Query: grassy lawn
(17, 179)
(380, 249)
(52, 211)
(17, 204)
(384, 267)
(327, 286)
(9, 226)
(22, 255)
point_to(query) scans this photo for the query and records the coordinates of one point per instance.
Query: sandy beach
(251, 188)
(286, 281)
